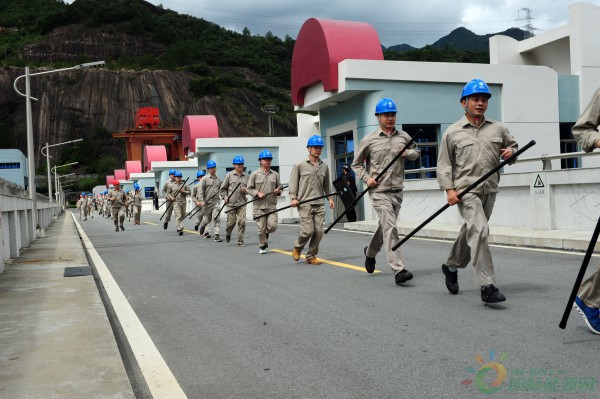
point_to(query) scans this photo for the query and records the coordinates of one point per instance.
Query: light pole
(48, 162)
(30, 159)
(62, 197)
(56, 176)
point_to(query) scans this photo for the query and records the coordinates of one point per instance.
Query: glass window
(568, 144)
(344, 151)
(428, 145)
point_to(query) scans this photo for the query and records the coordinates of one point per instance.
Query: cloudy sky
(417, 23)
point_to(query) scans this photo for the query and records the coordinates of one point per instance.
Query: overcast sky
(417, 23)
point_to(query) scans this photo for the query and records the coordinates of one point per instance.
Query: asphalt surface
(231, 323)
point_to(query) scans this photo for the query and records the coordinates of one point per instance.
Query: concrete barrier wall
(16, 230)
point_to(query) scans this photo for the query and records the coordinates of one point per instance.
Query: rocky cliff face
(72, 104)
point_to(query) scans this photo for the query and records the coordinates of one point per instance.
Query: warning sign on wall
(538, 185)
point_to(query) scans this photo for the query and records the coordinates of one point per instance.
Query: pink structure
(321, 45)
(154, 153)
(109, 180)
(119, 174)
(195, 127)
(132, 167)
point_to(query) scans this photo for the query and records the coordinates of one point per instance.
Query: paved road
(231, 323)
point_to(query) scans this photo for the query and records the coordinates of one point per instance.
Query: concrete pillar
(14, 239)
(22, 222)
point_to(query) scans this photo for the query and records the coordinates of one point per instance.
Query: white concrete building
(539, 87)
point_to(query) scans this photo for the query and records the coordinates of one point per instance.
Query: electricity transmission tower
(529, 29)
(270, 110)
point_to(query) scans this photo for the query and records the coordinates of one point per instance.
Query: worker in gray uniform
(375, 151)
(117, 199)
(265, 185)
(310, 179)
(177, 193)
(168, 204)
(235, 196)
(209, 201)
(585, 131)
(195, 190)
(470, 148)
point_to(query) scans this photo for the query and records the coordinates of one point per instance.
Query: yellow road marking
(187, 231)
(151, 223)
(330, 262)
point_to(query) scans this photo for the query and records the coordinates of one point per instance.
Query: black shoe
(196, 227)
(490, 294)
(202, 230)
(117, 228)
(369, 262)
(122, 228)
(180, 232)
(206, 235)
(267, 236)
(227, 238)
(403, 276)
(217, 238)
(451, 280)
(165, 225)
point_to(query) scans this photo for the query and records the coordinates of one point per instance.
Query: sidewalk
(569, 240)
(55, 337)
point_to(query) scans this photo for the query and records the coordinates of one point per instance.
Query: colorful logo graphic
(490, 375)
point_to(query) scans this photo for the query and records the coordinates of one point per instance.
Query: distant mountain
(401, 48)
(464, 39)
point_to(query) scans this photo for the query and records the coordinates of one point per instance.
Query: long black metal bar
(175, 196)
(376, 179)
(198, 207)
(283, 187)
(299, 203)
(229, 196)
(579, 279)
(465, 191)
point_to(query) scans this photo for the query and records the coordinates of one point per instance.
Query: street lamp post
(29, 122)
(48, 162)
(56, 176)
(62, 197)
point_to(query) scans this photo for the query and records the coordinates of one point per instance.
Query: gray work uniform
(376, 151)
(265, 183)
(308, 181)
(586, 133)
(195, 196)
(82, 209)
(178, 192)
(117, 206)
(137, 206)
(466, 154)
(237, 198)
(168, 204)
(209, 195)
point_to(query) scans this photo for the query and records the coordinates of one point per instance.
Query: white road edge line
(156, 372)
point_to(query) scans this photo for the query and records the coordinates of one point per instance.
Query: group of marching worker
(115, 204)
(469, 160)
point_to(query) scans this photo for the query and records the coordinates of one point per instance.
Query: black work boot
(196, 227)
(451, 280)
(116, 228)
(403, 276)
(491, 294)
(369, 262)
(165, 225)
(202, 228)
(227, 238)
(217, 238)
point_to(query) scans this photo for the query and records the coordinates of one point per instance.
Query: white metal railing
(545, 158)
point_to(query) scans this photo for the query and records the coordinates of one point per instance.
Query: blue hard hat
(211, 164)
(178, 174)
(315, 141)
(265, 154)
(385, 105)
(136, 186)
(172, 171)
(238, 160)
(475, 86)
(200, 173)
